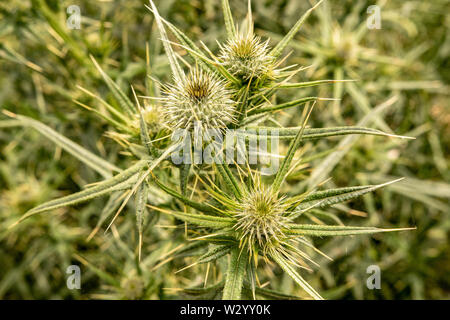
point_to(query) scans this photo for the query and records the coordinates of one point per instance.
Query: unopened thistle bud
(247, 57)
(200, 98)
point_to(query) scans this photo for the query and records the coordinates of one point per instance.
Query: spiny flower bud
(260, 219)
(133, 288)
(201, 97)
(246, 57)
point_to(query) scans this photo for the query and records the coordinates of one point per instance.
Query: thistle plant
(199, 97)
(247, 58)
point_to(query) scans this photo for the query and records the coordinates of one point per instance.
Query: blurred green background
(405, 65)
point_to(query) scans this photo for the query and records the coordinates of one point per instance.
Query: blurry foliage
(42, 63)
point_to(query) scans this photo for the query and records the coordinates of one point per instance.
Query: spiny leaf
(112, 205)
(282, 106)
(308, 84)
(141, 201)
(312, 133)
(235, 274)
(289, 269)
(327, 198)
(142, 179)
(214, 253)
(269, 294)
(328, 231)
(294, 145)
(176, 69)
(290, 35)
(210, 291)
(124, 102)
(98, 164)
(228, 17)
(98, 190)
(215, 65)
(229, 179)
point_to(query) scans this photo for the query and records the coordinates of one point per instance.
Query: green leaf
(184, 199)
(113, 184)
(308, 84)
(103, 275)
(207, 293)
(276, 52)
(98, 164)
(214, 253)
(184, 177)
(267, 293)
(213, 64)
(145, 138)
(314, 133)
(186, 41)
(328, 231)
(294, 145)
(229, 179)
(235, 274)
(176, 69)
(289, 269)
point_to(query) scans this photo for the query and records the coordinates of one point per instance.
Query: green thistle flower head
(260, 219)
(200, 97)
(247, 57)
